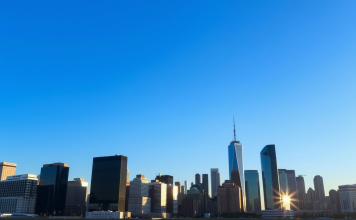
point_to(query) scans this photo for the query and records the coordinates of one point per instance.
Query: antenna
(234, 129)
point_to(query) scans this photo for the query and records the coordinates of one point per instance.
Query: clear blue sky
(159, 82)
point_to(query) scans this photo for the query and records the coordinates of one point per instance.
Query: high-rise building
(236, 167)
(215, 181)
(108, 183)
(139, 203)
(172, 199)
(128, 176)
(206, 183)
(185, 186)
(319, 189)
(301, 192)
(76, 199)
(252, 189)
(334, 201)
(52, 190)
(197, 178)
(167, 179)
(7, 169)
(158, 195)
(18, 194)
(347, 195)
(288, 187)
(179, 192)
(270, 178)
(229, 197)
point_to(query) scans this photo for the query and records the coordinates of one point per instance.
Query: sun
(286, 199)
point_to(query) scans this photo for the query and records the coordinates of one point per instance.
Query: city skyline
(164, 79)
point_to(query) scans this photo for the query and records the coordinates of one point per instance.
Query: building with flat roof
(215, 181)
(252, 189)
(347, 195)
(7, 169)
(139, 202)
(229, 197)
(76, 199)
(18, 194)
(158, 195)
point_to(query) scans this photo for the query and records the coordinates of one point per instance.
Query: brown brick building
(229, 197)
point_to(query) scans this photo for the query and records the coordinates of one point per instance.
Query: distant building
(128, 176)
(167, 179)
(334, 201)
(206, 183)
(347, 194)
(197, 178)
(215, 181)
(270, 178)
(108, 184)
(179, 192)
(319, 189)
(186, 186)
(139, 203)
(252, 189)
(18, 194)
(212, 206)
(192, 203)
(172, 200)
(52, 190)
(76, 199)
(229, 198)
(7, 169)
(158, 195)
(288, 187)
(301, 192)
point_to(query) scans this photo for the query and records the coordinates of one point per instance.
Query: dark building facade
(52, 189)
(288, 187)
(270, 178)
(252, 185)
(167, 179)
(301, 192)
(76, 199)
(108, 183)
(334, 201)
(319, 188)
(197, 178)
(206, 183)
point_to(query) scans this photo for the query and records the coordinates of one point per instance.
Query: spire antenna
(234, 129)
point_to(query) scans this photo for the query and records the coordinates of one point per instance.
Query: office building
(192, 203)
(288, 187)
(319, 189)
(7, 169)
(18, 194)
(215, 181)
(167, 179)
(206, 184)
(229, 197)
(139, 203)
(347, 195)
(270, 178)
(334, 201)
(179, 192)
(185, 186)
(76, 199)
(236, 167)
(252, 189)
(52, 190)
(128, 176)
(158, 195)
(172, 200)
(108, 184)
(197, 178)
(301, 192)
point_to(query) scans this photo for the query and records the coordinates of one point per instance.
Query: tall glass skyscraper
(288, 187)
(252, 185)
(52, 189)
(236, 167)
(270, 178)
(108, 184)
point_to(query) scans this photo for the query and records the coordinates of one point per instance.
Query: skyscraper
(52, 190)
(185, 186)
(158, 195)
(139, 203)
(236, 167)
(301, 192)
(270, 178)
(252, 185)
(288, 187)
(215, 181)
(347, 195)
(206, 183)
(229, 197)
(197, 178)
(319, 189)
(167, 179)
(108, 183)
(7, 169)
(334, 200)
(76, 199)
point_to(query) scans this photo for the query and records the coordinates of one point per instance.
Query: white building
(108, 214)
(347, 194)
(18, 194)
(139, 203)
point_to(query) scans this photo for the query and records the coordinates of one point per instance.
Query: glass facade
(252, 185)
(236, 168)
(108, 184)
(52, 189)
(270, 178)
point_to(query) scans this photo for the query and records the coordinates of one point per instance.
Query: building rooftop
(21, 177)
(56, 164)
(8, 164)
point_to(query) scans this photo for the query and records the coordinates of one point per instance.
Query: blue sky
(159, 82)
